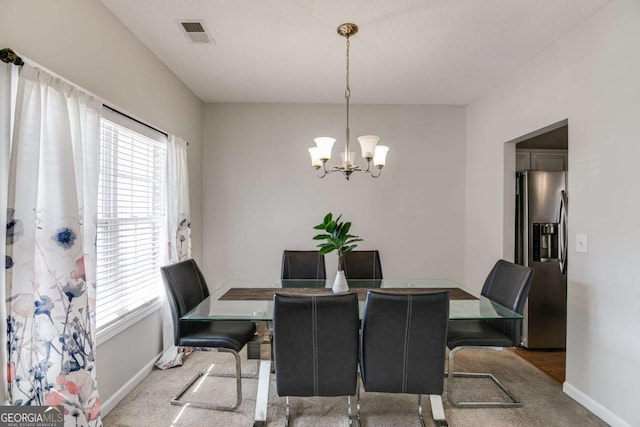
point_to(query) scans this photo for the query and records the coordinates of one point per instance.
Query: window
(131, 218)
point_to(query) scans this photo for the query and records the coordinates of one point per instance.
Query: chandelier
(371, 151)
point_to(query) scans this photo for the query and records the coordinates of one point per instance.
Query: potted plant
(336, 238)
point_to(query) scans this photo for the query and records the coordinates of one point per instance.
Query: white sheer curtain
(178, 210)
(50, 245)
(8, 89)
(178, 236)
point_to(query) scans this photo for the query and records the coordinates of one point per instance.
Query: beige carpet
(544, 402)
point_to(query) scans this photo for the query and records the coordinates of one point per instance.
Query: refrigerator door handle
(562, 231)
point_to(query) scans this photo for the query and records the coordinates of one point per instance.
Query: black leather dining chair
(403, 346)
(186, 288)
(361, 265)
(315, 341)
(507, 284)
(303, 265)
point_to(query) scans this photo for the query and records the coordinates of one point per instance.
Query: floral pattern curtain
(50, 248)
(178, 237)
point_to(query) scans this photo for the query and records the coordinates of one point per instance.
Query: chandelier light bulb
(350, 161)
(368, 145)
(324, 144)
(315, 157)
(380, 156)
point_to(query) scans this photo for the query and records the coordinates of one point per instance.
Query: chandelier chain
(347, 93)
(347, 96)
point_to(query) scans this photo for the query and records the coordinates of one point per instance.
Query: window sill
(113, 330)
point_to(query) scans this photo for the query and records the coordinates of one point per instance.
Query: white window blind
(131, 218)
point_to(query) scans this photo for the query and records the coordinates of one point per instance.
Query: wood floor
(551, 362)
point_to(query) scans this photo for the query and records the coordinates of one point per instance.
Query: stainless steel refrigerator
(541, 243)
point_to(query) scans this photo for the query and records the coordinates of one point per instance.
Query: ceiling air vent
(195, 31)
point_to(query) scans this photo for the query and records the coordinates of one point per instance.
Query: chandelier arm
(371, 173)
(368, 169)
(324, 171)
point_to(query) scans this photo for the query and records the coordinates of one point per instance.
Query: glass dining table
(252, 300)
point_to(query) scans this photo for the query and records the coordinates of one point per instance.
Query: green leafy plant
(336, 236)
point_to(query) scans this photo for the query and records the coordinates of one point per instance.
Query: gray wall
(589, 77)
(260, 194)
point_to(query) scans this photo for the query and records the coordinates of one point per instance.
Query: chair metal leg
(287, 412)
(177, 401)
(358, 419)
(420, 410)
(513, 403)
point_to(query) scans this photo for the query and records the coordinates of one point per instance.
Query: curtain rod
(9, 56)
(113, 110)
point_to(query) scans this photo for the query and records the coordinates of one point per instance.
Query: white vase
(340, 283)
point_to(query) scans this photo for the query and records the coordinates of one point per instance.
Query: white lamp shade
(315, 157)
(352, 157)
(324, 144)
(368, 145)
(380, 155)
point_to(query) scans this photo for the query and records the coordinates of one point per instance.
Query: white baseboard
(111, 403)
(605, 414)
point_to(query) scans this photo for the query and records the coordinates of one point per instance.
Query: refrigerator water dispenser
(545, 242)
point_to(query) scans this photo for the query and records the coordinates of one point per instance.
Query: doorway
(537, 165)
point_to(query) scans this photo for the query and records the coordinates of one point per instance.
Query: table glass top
(242, 306)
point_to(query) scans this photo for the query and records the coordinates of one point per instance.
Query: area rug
(544, 402)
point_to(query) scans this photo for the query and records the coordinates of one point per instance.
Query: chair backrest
(315, 341)
(361, 265)
(403, 342)
(303, 265)
(509, 284)
(185, 287)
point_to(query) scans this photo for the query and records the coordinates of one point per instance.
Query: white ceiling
(406, 52)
